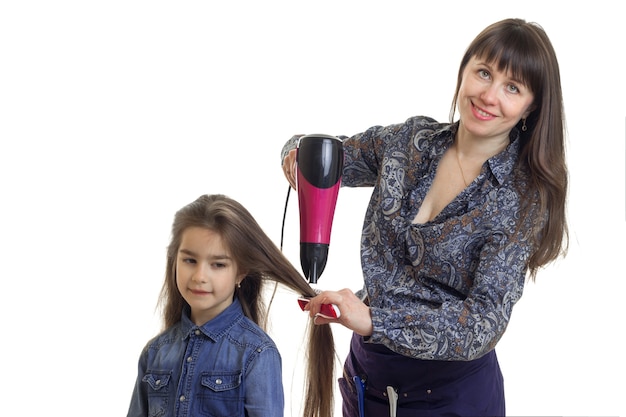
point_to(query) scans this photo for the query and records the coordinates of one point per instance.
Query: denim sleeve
(139, 400)
(264, 395)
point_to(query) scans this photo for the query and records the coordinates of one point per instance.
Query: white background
(114, 114)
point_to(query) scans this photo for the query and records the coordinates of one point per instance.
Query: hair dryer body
(319, 163)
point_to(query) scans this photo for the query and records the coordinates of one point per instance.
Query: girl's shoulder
(165, 337)
(248, 332)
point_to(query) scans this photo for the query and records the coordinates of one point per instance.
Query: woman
(460, 215)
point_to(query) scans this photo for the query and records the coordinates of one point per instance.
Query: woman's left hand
(354, 313)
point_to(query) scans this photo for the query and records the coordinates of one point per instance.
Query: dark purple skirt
(423, 387)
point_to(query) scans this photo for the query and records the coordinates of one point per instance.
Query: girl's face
(490, 101)
(206, 275)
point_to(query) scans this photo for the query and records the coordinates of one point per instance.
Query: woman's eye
(513, 88)
(483, 74)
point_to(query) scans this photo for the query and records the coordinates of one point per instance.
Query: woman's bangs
(514, 56)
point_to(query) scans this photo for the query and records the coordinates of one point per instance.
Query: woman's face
(490, 101)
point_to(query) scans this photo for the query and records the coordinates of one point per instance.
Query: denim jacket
(227, 367)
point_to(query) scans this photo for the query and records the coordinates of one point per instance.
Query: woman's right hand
(353, 313)
(289, 167)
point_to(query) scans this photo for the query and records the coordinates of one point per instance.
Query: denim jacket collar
(215, 328)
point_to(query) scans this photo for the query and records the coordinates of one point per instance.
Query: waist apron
(418, 387)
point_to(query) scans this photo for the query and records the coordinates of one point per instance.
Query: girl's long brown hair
(524, 49)
(257, 255)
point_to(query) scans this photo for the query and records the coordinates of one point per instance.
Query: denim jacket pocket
(158, 398)
(221, 381)
(158, 381)
(223, 394)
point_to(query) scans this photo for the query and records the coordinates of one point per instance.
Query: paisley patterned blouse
(442, 290)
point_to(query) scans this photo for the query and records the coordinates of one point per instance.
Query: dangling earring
(524, 127)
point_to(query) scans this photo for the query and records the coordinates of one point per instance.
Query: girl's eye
(189, 260)
(219, 265)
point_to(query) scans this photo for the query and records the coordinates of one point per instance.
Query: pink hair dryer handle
(317, 210)
(319, 169)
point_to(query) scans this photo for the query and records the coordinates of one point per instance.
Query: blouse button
(197, 332)
(428, 391)
(218, 381)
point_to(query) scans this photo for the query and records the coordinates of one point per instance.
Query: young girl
(213, 356)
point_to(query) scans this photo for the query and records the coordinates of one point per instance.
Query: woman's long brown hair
(257, 255)
(524, 49)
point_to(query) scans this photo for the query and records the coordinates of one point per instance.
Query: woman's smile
(482, 114)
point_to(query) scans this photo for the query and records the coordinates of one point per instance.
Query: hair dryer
(319, 165)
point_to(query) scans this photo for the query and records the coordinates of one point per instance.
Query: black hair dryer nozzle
(313, 258)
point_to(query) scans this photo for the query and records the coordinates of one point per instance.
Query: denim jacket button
(218, 381)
